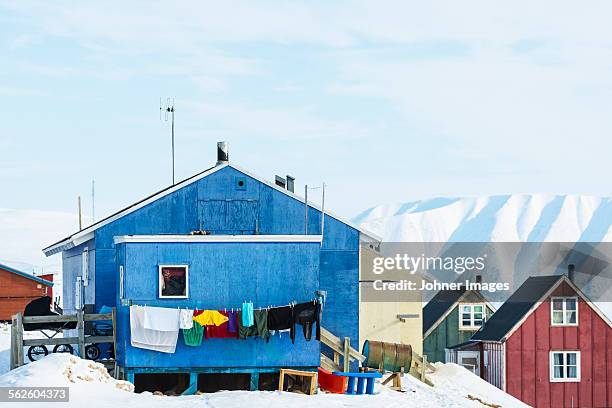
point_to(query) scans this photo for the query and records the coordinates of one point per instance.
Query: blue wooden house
(259, 246)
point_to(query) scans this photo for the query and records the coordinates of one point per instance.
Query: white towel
(161, 318)
(163, 341)
(186, 320)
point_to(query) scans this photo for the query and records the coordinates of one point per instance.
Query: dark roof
(25, 275)
(438, 305)
(516, 307)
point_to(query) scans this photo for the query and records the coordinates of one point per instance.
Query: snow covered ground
(91, 386)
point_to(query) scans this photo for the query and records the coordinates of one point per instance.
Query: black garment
(306, 314)
(281, 318)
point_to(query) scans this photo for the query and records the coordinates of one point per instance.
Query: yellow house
(398, 319)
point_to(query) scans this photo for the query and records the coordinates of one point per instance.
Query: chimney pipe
(291, 183)
(222, 153)
(571, 272)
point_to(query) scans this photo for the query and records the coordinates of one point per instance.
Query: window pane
(570, 304)
(477, 322)
(557, 317)
(572, 372)
(558, 358)
(571, 359)
(466, 322)
(558, 372)
(477, 309)
(466, 309)
(570, 317)
(557, 304)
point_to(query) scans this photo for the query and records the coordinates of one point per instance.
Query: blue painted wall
(222, 275)
(217, 203)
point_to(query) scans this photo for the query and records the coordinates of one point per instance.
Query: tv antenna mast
(168, 111)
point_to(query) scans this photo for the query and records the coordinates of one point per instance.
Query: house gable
(528, 348)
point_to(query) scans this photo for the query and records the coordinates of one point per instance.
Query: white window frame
(472, 326)
(552, 368)
(564, 310)
(160, 281)
(469, 354)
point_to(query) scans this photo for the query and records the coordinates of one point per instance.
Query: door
(469, 360)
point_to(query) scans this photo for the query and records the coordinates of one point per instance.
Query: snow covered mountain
(503, 218)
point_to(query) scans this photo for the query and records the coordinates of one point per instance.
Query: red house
(547, 345)
(18, 288)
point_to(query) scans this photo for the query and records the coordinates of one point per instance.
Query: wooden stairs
(343, 351)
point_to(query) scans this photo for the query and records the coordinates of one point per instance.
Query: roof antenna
(168, 111)
(93, 201)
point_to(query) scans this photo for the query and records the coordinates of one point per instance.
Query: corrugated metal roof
(25, 275)
(516, 307)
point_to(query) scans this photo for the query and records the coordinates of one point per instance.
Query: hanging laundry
(162, 341)
(281, 319)
(261, 323)
(210, 318)
(186, 319)
(193, 336)
(221, 331)
(161, 318)
(307, 314)
(247, 314)
(232, 323)
(245, 331)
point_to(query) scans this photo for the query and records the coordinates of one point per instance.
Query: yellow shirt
(210, 318)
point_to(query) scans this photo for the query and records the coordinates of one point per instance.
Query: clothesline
(291, 304)
(157, 328)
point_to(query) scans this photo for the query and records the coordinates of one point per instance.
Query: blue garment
(247, 314)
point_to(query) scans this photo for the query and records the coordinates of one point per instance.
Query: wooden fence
(18, 342)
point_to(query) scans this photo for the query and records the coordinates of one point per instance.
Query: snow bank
(455, 379)
(63, 370)
(91, 386)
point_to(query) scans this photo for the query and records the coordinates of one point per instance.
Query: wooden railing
(341, 348)
(420, 368)
(18, 342)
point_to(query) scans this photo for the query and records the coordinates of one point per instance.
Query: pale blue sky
(384, 101)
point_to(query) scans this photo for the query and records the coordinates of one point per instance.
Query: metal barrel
(387, 356)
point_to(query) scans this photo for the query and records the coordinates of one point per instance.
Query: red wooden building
(547, 345)
(18, 288)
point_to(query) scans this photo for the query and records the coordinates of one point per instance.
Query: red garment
(219, 332)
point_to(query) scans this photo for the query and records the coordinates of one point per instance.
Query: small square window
(564, 366)
(173, 281)
(564, 311)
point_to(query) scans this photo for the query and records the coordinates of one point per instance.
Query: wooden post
(254, 381)
(13, 362)
(19, 339)
(346, 356)
(337, 358)
(281, 380)
(81, 333)
(114, 321)
(424, 367)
